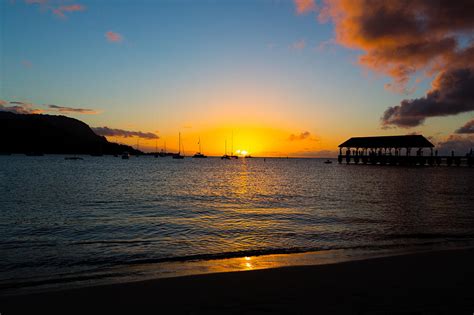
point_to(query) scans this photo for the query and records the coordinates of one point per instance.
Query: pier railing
(374, 159)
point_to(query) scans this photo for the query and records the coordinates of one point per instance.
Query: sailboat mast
(179, 143)
(225, 147)
(232, 145)
(200, 151)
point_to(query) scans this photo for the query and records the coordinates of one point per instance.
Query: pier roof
(410, 141)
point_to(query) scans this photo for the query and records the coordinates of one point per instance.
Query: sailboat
(232, 156)
(137, 154)
(178, 155)
(199, 154)
(225, 156)
(156, 149)
(163, 152)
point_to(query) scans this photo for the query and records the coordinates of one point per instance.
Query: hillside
(52, 135)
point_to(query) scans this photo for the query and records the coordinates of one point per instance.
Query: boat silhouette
(199, 154)
(225, 156)
(232, 155)
(178, 155)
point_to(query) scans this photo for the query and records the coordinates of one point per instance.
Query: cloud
(36, 1)
(63, 109)
(452, 93)
(56, 7)
(113, 37)
(26, 63)
(299, 45)
(467, 128)
(459, 144)
(30, 108)
(306, 135)
(304, 6)
(326, 45)
(19, 108)
(61, 10)
(316, 153)
(406, 39)
(399, 38)
(109, 132)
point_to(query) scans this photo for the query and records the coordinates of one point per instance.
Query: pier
(410, 150)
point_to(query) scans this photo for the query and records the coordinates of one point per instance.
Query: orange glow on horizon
(243, 141)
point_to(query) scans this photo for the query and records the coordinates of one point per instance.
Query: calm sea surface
(62, 221)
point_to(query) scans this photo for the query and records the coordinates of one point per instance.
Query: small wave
(113, 242)
(88, 275)
(428, 236)
(267, 251)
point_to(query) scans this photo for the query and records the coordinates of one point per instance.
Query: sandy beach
(432, 282)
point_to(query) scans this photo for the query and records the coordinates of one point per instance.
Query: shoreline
(225, 262)
(431, 281)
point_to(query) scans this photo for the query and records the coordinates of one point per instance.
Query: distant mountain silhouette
(20, 133)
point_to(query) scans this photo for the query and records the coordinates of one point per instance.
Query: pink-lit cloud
(57, 8)
(19, 108)
(41, 2)
(36, 1)
(304, 6)
(298, 45)
(327, 45)
(62, 10)
(113, 37)
(26, 63)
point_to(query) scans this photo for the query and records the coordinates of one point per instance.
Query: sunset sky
(286, 77)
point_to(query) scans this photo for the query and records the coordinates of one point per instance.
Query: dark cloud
(407, 38)
(109, 132)
(63, 109)
(467, 128)
(452, 93)
(459, 144)
(302, 136)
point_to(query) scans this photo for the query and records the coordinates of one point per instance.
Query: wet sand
(433, 282)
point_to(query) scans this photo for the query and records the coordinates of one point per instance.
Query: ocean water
(65, 222)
